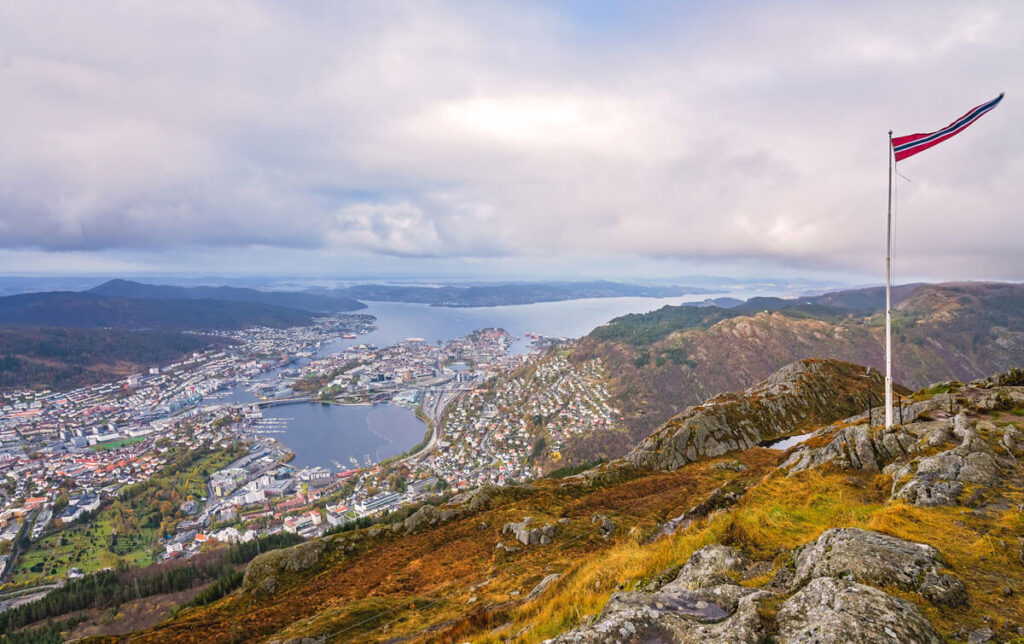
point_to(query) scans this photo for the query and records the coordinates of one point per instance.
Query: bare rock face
(722, 613)
(878, 559)
(862, 448)
(712, 562)
(264, 572)
(702, 604)
(837, 610)
(939, 479)
(801, 394)
(425, 517)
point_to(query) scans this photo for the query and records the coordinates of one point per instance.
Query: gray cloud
(503, 130)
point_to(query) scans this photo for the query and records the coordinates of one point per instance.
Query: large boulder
(721, 613)
(880, 560)
(700, 605)
(425, 517)
(837, 610)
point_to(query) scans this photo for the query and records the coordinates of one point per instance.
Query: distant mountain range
(314, 302)
(85, 310)
(120, 304)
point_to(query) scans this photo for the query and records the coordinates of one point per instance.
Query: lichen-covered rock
(699, 605)
(264, 572)
(519, 529)
(530, 536)
(837, 610)
(426, 516)
(802, 394)
(542, 586)
(605, 525)
(980, 636)
(860, 448)
(733, 465)
(722, 613)
(880, 560)
(939, 479)
(712, 562)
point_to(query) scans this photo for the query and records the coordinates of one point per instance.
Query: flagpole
(888, 299)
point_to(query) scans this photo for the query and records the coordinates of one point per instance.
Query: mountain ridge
(303, 301)
(73, 309)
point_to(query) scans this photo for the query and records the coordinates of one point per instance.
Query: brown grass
(448, 584)
(423, 583)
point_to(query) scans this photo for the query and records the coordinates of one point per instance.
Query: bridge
(278, 402)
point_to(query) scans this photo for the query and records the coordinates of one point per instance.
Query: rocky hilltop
(800, 395)
(908, 534)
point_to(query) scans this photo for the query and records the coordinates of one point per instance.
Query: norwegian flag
(908, 146)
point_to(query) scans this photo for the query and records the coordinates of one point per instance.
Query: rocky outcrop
(837, 610)
(939, 479)
(425, 517)
(606, 527)
(530, 536)
(542, 586)
(701, 605)
(800, 395)
(712, 563)
(880, 560)
(704, 604)
(857, 447)
(264, 573)
(481, 497)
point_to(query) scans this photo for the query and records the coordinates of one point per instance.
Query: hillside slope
(675, 357)
(84, 310)
(823, 542)
(59, 359)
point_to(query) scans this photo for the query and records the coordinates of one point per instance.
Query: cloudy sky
(576, 139)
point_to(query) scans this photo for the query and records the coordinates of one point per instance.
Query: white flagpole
(888, 300)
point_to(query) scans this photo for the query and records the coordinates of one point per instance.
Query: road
(435, 401)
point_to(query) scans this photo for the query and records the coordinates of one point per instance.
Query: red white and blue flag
(908, 146)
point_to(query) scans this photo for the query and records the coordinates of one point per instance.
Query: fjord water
(332, 435)
(328, 434)
(397, 321)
